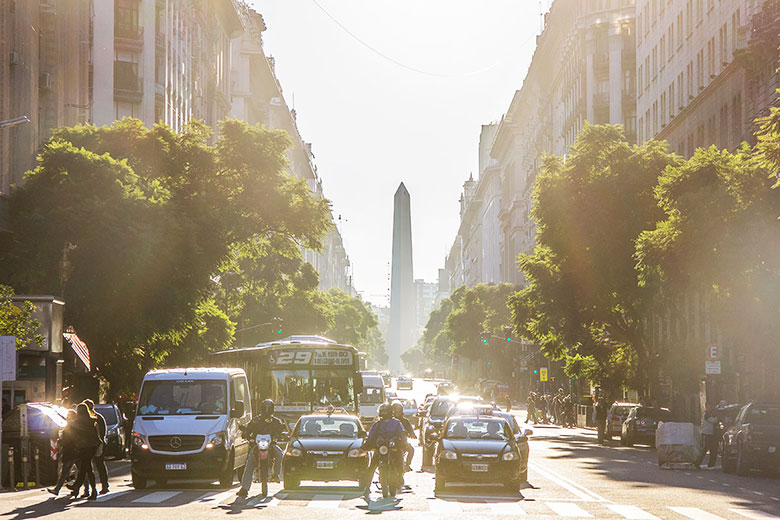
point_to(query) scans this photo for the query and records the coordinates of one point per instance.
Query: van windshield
(371, 395)
(183, 397)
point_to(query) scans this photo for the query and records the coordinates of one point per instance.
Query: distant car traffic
(431, 426)
(410, 409)
(753, 441)
(445, 388)
(476, 449)
(326, 447)
(617, 415)
(115, 430)
(404, 383)
(387, 379)
(641, 423)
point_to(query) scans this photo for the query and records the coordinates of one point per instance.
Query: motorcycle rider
(264, 424)
(386, 428)
(398, 412)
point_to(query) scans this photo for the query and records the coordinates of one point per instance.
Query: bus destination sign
(310, 357)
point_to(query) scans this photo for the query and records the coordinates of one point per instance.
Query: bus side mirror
(238, 410)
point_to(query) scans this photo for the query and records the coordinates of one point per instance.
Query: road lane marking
(156, 497)
(568, 509)
(325, 501)
(506, 508)
(111, 496)
(694, 513)
(631, 512)
(569, 485)
(437, 505)
(755, 515)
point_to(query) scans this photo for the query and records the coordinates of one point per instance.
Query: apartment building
(706, 69)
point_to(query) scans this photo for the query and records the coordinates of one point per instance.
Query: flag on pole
(79, 347)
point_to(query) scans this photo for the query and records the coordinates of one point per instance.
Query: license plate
(176, 466)
(324, 464)
(482, 468)
(772, 449)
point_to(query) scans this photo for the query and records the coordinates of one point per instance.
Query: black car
(478, 449)
(753, 440)
(431, 424)
(44, 423)
(521, 435)
(115, 430)
(641, 423)
(326, 447)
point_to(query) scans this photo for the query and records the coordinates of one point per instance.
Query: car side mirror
(238, 410)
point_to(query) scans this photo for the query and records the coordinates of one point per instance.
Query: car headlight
(450, 455)
(295, 452)
(353, 453)
(510, 455)
(140, 441)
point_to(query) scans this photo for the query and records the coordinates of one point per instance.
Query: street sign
(7, 358)
(543, 374)
(712, 368)
(713, 353)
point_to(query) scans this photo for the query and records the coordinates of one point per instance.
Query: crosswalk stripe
(156, 497)
(326, 501)
(631, 512)
(438, 505)
(111, 496)
(694, 513)
(507, 508)
(755, 515)
(568, 509)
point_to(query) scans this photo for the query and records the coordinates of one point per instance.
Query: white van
(371, 397)
(187, 426)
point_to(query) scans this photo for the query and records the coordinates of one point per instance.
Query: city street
(575, 479)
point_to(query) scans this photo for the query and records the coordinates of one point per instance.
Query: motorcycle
(391, 467)
(263, 459)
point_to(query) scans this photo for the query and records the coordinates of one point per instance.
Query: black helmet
(385, 412)
(267, 407)
(398, 409)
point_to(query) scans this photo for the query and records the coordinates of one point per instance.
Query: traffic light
(488, 362)
(508, 332)
(485, 337)
(276, 323)
(536, 371)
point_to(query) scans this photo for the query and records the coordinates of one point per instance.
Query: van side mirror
(238, 410)
(362, 434)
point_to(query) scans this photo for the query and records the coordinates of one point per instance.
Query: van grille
(176, 442)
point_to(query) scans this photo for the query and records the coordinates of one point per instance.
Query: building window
(126, 20)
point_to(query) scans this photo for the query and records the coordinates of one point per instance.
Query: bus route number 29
(302, 357)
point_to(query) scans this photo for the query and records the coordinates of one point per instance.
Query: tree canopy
(18, 319)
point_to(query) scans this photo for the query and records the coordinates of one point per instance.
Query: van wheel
(226, 480)
(138, 481)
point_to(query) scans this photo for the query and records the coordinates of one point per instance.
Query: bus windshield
(297, 390)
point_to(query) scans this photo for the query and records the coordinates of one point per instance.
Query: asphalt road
(575, 479)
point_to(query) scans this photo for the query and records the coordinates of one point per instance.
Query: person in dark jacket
(66, 450)
(87, 440)
(600, 413)
(387, 428)
(99, 459)
(398, 413)
(264, 424)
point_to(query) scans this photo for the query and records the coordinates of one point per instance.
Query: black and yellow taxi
(478, 449)
(326, 447)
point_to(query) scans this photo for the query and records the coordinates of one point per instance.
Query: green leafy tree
(18, 319)
(582, 296)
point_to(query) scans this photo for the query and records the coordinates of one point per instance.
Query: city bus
(300, 373)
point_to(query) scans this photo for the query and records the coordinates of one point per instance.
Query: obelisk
(402, 297)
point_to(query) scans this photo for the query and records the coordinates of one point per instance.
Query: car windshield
(108, 412)
(764, 415)
(183, 397)
(653, 413)
(490, 429)
(371, 395)
(410, 403)
(621, 410)
(440, 408)
(327, 427)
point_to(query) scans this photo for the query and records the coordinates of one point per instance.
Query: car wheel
(729, 464)
(291, 483)
(226, 479)
(742, 465)
(138, 481)
(427, 456)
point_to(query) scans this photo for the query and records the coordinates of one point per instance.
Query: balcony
(129, 37)
(127, 85)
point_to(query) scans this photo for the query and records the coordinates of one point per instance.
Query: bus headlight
(295, 452)
(510, 455)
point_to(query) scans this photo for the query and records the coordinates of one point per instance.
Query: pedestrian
(99, 459)
(66, 451)
(709, 427)
(600, 414)
(87, 440)
(531, 409)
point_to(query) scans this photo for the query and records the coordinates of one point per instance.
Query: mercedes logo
(175, 443)
(479, 457)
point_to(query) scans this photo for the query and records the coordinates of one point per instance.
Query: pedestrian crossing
(438, 507)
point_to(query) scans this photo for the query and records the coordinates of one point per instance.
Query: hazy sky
(374, 122)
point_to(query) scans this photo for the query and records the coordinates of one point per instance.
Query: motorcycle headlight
(353, 453)
(139, 441)
(295, 452)
(450, 455)
(510, 455)
(383, 450)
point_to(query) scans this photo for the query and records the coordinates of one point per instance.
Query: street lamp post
(8, 123)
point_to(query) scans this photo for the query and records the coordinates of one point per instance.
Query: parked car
(326, 447)
(641, 423)
(478, 449)
(116, 432)
(44, 423)
(616, 416)
(753, 441)
(404, 383)
(521, 434)
(432, 423)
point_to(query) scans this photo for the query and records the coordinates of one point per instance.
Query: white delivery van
(187, 426)
(371, 397)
